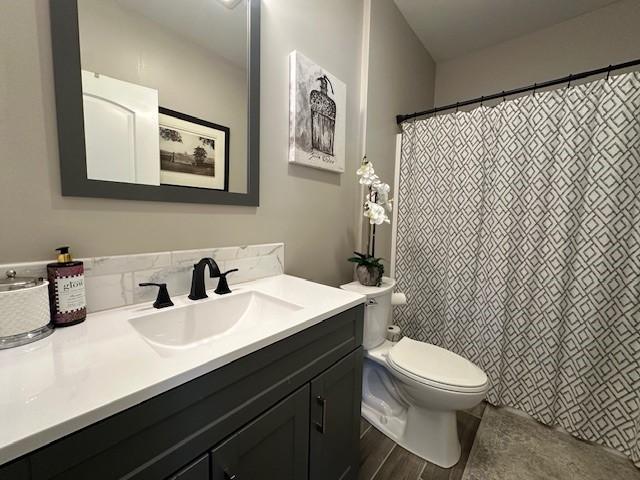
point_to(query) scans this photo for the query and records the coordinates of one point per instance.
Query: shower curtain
(518, 247)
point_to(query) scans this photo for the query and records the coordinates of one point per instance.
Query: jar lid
(13, 282)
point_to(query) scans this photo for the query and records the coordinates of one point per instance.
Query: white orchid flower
(367, 174)
(375, 213)
(382, 192)
(377, 201)
(366, 168)
(368, 179)
(381, 188)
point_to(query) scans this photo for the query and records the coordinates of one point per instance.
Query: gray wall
(400, 79)
(602, 37)
(191, 79)
(312, 211)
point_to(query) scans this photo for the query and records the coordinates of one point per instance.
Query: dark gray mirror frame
(65, 40)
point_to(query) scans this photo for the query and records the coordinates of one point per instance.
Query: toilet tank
(377, 312)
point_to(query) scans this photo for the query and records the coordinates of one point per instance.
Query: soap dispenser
(323, 117)
(66, 290)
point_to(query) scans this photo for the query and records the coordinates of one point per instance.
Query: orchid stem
(373, 230)
(369, 227)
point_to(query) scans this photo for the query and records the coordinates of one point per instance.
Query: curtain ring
(570, 77)
(609, 72)
(482, 101)
(535, 87)
(504, 97)
(457, 104)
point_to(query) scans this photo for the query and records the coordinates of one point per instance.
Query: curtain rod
(515, 91)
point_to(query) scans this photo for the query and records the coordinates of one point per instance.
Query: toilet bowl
(412, 390)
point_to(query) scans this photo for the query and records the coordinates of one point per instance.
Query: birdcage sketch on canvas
(317, 107)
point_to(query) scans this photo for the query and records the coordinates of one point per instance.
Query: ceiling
(208, 23)
(452, 28)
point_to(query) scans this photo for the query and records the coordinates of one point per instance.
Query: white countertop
(88, 372)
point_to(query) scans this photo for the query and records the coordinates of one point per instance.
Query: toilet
(411, 390)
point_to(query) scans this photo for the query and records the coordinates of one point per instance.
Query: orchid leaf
(356, 260)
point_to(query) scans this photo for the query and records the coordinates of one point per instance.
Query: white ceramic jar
(25, 314)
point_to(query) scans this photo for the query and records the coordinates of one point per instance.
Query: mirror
(165, 94)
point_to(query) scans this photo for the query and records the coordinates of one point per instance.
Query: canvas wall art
(193, 152)
(317, 115)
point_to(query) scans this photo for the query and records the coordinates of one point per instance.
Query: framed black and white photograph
(193, 152)
(317, 115)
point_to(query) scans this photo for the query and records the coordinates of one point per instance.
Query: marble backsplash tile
(113, 281)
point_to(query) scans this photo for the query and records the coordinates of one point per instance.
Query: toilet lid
(435, 365)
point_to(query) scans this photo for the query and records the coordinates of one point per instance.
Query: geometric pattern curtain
(518, 247)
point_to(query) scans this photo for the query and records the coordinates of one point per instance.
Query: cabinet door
(273, 446)
(197, 470)
(18, 470)
(335, 420)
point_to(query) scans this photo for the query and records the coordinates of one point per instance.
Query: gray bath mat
(512, 447)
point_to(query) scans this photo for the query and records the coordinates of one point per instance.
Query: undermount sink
(191, 325)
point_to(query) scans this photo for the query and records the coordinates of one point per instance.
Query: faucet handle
(162, 300)
(223, 286)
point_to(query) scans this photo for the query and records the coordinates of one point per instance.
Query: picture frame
(193, 152)
(317, 115)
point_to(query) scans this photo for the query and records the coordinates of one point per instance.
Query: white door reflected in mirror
(121, 130)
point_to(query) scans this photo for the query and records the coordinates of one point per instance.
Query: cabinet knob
(163, 300)
(230, 476)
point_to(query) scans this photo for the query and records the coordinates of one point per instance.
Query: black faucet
(198, 290)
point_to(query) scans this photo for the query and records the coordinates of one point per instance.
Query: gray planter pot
(368, 275)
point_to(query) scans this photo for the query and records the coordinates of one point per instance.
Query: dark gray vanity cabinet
(287, 411)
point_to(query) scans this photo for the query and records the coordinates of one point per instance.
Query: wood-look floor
(382, 459)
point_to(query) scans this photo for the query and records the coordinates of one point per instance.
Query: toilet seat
(436, 367)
